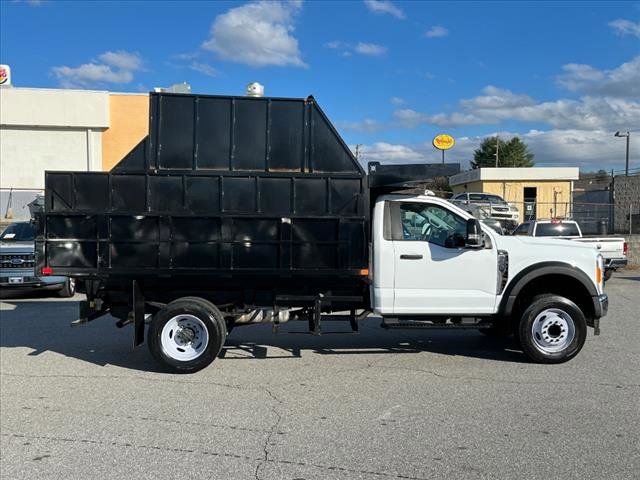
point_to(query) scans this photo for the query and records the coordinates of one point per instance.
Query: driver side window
(432, 223)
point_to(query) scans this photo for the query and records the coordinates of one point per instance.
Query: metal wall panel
(286, 136)
(213, 133)
(175, 132)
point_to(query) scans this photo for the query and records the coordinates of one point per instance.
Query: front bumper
(33, 282)
(600, 309)
(612, 263)
(600, 305)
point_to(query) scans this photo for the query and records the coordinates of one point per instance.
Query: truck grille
(11, 260)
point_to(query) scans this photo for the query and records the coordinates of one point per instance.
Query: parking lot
(80, 403)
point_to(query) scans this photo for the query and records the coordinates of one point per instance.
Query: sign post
(443, 142)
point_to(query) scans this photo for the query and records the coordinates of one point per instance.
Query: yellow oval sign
(443, 141)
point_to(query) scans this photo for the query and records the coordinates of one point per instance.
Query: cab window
(433, 224)
(523, 229)
(557, 230)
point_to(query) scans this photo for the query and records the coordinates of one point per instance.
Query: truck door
(433, 273)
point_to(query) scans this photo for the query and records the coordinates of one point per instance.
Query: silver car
(17, 263)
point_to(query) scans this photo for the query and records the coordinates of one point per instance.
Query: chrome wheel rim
(184, 337)
(553, 330)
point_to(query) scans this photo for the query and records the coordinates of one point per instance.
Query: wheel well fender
(548, 277)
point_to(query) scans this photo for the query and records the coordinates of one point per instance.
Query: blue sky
(391, 75)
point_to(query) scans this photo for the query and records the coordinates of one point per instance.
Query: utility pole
(358, 151)
(626, 163)
(497, 149)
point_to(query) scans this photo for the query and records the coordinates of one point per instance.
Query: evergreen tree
(512, 153)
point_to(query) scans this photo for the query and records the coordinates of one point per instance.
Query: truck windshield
(557, 230)
(19, 232)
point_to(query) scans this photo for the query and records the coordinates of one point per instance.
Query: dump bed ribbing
(222, 185)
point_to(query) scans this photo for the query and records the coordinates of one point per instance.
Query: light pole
(497, 149)
(626, 163)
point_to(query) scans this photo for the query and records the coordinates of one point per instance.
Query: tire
(69, 288)
(607, 274)
(187, 335)
(552, 329)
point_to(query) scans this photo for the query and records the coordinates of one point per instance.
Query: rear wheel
(187, 335)
(552, 330)
(69, 288)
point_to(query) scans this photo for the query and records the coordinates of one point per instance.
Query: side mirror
(455, 241)
(474, 234)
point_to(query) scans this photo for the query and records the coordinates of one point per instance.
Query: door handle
(410, 257)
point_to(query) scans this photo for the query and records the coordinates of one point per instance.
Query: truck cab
(431, 259)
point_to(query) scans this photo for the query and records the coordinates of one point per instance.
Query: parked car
(488, 206)
(17, 267)
(612, 249)
(495, 225)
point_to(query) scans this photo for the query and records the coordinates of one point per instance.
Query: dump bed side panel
(221, 185)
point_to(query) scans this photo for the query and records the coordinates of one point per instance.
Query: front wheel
(607, 274)
(187, 335)
(552, 330)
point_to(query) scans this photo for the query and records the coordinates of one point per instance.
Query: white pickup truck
(612, 249)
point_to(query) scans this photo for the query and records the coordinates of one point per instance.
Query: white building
(46, 129)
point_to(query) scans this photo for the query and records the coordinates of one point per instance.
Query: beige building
(537, 192)
(58, 129)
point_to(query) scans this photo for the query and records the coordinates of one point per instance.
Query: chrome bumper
(615, 263)
(31, 281)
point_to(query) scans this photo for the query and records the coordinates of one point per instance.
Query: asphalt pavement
(82, 404)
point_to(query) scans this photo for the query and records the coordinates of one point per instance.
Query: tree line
(511, 153)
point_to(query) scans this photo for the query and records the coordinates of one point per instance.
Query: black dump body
(223, 189)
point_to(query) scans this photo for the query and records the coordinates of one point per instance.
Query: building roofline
(515, 174)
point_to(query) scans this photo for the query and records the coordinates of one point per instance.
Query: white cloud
(623, 81)
(361, 48)
(410, 118)
(371, 49)
(388, 153)
(587, 149)
(110, 68)
(257, 34)
(436, 31)
(367, 125)
(122, 60)
(185, 56)
(335, 45)
(203, 68)
(381, 7)
(498, 105)
(625, 27)
(397, 101)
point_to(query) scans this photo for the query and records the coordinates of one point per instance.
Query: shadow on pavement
(637, 279)
(43, 326)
